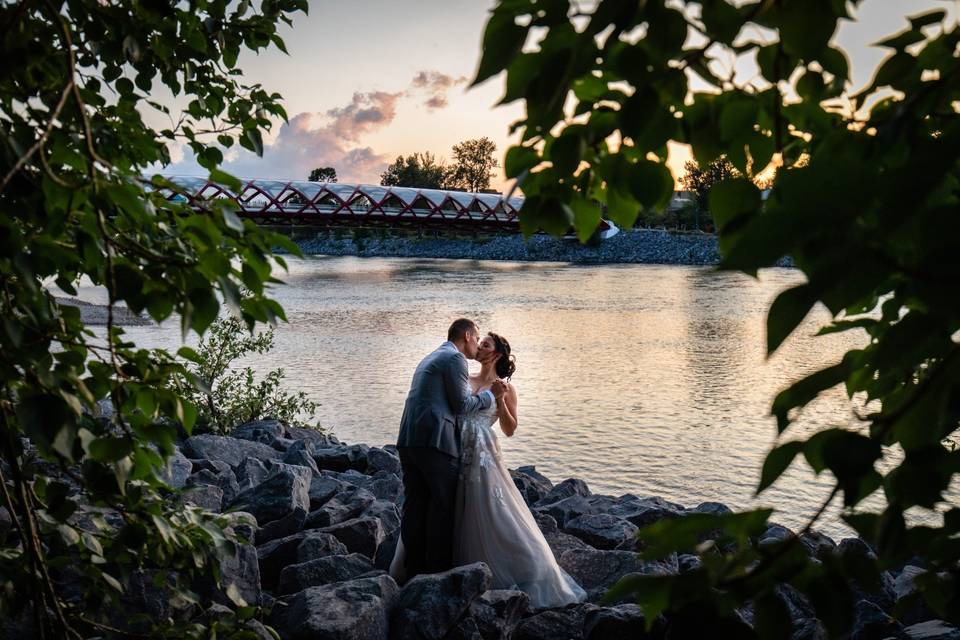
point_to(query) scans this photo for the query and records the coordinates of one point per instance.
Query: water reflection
(637, 378)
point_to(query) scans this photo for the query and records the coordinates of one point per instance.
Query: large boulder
(263, 431)
(177, 469)
(300, 452)
(233, 451)
(602, 530)
(318, 439)
(250, 473)
(225, 479)
(556, 539)
(285, 526)
(359, 535)
(596, 571)
(304, 546)
(239, 572)
(498, 612)
(872, 623)
(386, 512)
(340, 611)
(285, 491)
(879, 591)
(622, 622)
(909, 600)
(533, 485)
(314, 573)
(932, 630)
(343, 457)
(385, 486)
(567, 488)
(340, 508)
(644, 511)
(566, 509)
(205, 496)
(555, 624)
(323, 487)
(430, 605)
(382, 460)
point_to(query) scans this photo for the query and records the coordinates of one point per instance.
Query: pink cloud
(436, 85)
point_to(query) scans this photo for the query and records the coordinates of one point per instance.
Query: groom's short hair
(459, 328)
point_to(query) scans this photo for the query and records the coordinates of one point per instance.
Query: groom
(429, 447)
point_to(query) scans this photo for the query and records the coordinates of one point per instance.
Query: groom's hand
(498, 388)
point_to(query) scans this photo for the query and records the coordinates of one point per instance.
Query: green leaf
(225, 179)
(502, 40)
(805, 390)
(110, 448)
(732, 199)
(586, 217)
(519, 159)
(722, 20)
(49, 422)
(922, 20)
(787, 312)
(777, 461)
(232, 220)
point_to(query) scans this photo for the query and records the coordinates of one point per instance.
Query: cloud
(436, 85)
(310, 140)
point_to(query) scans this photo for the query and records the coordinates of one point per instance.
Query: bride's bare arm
(507, 411)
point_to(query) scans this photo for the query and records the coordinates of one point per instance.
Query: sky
(368, 80)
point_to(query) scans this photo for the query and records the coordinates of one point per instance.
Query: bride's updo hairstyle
(507, 364)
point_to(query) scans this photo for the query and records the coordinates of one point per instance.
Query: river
(644, 379)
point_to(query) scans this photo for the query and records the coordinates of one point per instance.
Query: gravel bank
(636, 246)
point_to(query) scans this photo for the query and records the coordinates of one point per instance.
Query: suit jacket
(439, 394)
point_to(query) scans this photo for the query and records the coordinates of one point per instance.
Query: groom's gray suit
(429, 447)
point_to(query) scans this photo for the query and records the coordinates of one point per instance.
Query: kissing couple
(461, 505)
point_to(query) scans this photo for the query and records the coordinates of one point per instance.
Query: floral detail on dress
(484, 460)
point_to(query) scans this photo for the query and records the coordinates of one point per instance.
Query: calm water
(643, 379)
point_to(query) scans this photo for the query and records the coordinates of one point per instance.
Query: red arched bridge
(335, 204)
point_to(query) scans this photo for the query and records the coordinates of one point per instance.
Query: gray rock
(382, 460)
(282, 444)
(776, 533)
(911, 606)
(262, 431)
(872, 623)
(532, 485)
(304, 546)
(386, 512)
(177, 470)
(285, 526)
(359, 535)
(687, 562)
(817, 544)
(242, 570)
(561, 624)
(567, 488)
(498, 612)
(213, 466)
(230, 450)
(556, 539)
(323, 487)
(880, 591)
(250, 473)
(300, 452)
(205, 496)
(387, 550)
(601, 530)
(386, 486)
(466, 629)
(904, 584)
(713, 508)
(314, 573)
(623, 622)
(644, 511)
(340, 508)
(430, 605)
(343, 457)
(340, 611)
(318, 439)
(566, 509)
(148, 594)
(932, 630)
(596, 571)
(285, 491)
(225, 480)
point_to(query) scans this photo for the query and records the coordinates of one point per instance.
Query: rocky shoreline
(642, 246)
(322, 519)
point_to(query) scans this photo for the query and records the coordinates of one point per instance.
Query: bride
(493, 524)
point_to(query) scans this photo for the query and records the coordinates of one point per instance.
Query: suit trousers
(430, 479)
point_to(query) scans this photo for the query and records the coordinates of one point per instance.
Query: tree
(868, 219)
(419, 170)
(323, 174)
(87, 497)
(473, 165)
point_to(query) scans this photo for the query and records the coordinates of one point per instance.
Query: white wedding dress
(495, 526)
